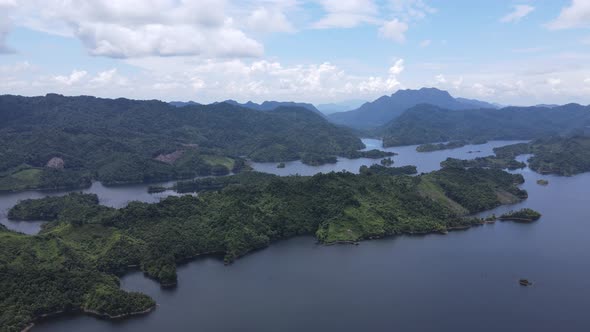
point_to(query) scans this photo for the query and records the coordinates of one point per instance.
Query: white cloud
(519, 12)
(440, 79)
(126, 41)
(347, 13)
(197, 83)
(269, 20)
(482, 90)
(211, 80)
(576, 15)
(425, 43)
(555, 84)
(394, 30)
(397, 68)
(138, 28)
(73, 78)
(109, 77)
(587, 80)
(377, 85)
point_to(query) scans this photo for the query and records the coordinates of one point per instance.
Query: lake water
(407, 155)
(463, 281)
(116, 196)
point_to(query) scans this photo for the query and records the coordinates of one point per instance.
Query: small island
(524, 215)
(371, 154)
(156, 189)
(542, 182)
(440, 146)
(387, 162)
(486, 162)
(314, 159)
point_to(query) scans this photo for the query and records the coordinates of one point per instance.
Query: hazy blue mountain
(273, 105)
(547, 105)
(341, 106)
(386, 108)
(477, 103)
(183, 103)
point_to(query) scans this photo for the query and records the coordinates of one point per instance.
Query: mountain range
(386, 108)
(56, 141)
(342, 106)
(428, 123)
(266, 106)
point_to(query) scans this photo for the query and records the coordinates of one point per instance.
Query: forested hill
(267, 106)
(553, 155)
(427, 123)
(56, 141)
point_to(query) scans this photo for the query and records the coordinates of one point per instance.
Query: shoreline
(88, 312)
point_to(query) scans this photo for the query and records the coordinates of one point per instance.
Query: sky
(510, 52)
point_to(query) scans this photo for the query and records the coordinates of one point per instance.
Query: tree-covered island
(73, 263)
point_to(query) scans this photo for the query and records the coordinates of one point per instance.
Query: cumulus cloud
(394, 30)
(109, 77)
(267, 20)
(260, 80)
(440, 78)
(73, 78)
(138, 28)
(576, 15)
(383, 85)
(519, 12)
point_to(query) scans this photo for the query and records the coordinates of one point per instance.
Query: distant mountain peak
(387, 108)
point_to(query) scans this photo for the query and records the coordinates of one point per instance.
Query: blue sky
(510, 52)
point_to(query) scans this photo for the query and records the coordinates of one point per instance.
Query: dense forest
(427, 124)
(73, 263)
(66, 142)
(555, 155)
(559, 155)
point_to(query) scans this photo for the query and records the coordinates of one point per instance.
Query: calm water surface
(116, 196)
(463, 281)
(407, 155)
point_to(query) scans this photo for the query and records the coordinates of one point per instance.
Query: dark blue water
(117, 196)
(463, 281)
